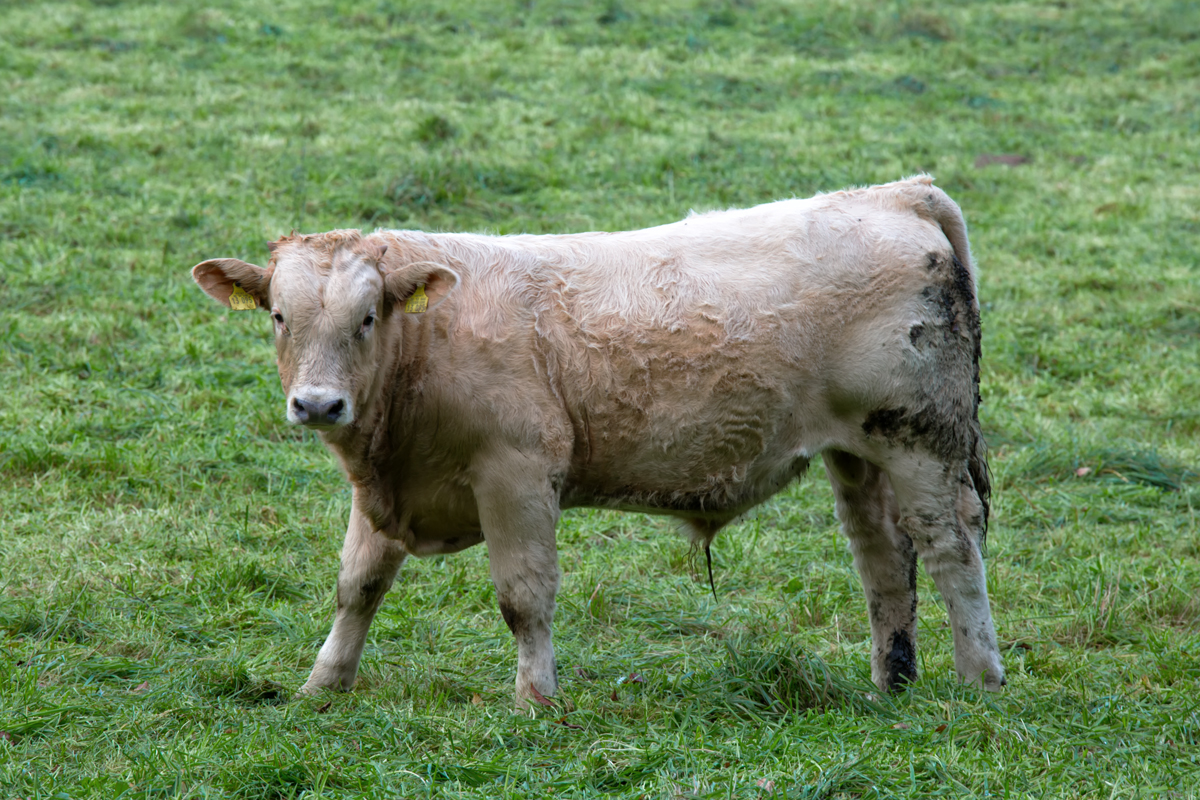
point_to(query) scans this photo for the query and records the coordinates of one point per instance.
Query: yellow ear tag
(417, 302)
(241, 300)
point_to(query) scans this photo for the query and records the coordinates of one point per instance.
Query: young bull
(474, 386)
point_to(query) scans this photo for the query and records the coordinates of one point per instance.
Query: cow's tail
(948, 216)
(981, 473)
(934, 204)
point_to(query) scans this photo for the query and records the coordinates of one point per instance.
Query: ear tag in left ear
(417, 302)
(241, 300)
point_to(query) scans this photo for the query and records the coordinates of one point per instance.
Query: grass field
(168, 545)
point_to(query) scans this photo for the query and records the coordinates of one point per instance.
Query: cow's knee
(519, 620)
(364, 591)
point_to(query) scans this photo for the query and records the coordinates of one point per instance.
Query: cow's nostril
(318, 411)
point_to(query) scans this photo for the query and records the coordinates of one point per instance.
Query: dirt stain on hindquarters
(929, 425)
(940, 418)
(915, 333)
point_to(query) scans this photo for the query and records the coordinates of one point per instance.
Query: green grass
(168, 546)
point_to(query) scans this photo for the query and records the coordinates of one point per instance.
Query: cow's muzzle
(319, 410)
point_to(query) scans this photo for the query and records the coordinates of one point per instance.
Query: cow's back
(697, 363)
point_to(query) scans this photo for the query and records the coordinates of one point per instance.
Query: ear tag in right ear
(417, 302)
(241, 300)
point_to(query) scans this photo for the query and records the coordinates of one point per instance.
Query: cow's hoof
(310, 691)
(530, 699)
(314, 686)
(988, 681)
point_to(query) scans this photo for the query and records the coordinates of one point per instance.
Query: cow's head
(336, 300)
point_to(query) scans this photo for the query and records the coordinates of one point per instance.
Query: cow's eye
(367, 322)
(278, 317)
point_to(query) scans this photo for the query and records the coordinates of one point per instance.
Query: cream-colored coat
(691, 369)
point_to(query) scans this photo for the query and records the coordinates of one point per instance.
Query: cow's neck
(368, 448)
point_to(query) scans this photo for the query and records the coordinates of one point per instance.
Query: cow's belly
(720, 503)
(439, 544)
(716, 443)
(649, 482)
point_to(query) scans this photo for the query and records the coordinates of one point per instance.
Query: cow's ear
(235, 283)
(417, 288)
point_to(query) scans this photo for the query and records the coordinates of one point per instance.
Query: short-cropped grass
(168, 546)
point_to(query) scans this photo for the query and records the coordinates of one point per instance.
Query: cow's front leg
(518, 510)
(370, 562)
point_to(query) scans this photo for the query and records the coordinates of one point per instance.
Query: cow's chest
(441, 516)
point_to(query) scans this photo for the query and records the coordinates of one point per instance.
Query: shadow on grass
(760, 679)
(237, 683)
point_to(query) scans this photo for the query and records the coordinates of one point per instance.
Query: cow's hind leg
(518, 510)
(943, 513)
(370, 562)
(886, 562)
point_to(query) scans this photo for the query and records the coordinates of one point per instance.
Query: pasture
(168, 544)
